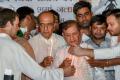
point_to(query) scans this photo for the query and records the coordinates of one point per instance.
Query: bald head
(46, 16)
(47, 24)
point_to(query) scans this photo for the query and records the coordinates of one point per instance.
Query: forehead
(72, 28)
(16, 19)
(99, 25)
(111, 18)
(83, 10)
(46, 17)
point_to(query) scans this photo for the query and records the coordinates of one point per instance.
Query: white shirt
(43, 47)
(114, 52)
(13, 56)
(83, 70)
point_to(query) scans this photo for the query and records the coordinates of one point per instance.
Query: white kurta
(43, 47)
(13, 56)
(83, 70)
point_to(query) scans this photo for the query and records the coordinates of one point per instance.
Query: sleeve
(107, 53)
(29, 67)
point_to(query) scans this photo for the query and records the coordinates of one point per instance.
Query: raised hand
(69, 71)
(66, 63)
(47, 61)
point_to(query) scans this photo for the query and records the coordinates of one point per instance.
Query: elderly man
(46, 43)
(63, 58)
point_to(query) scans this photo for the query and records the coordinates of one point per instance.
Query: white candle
(51, 47)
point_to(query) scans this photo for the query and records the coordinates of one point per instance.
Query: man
(27, 21)
(46, 43)
(72, 36)
(83, 13)
(98, 39)
(15, 58)
(113, 19)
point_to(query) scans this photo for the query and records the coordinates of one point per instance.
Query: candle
(51, 47)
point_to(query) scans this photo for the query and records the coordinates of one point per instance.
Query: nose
(71, 38)
(83, 17)
(45, 28)
(109, 27)
(98, 30)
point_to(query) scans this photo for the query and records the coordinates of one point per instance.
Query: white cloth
(113, 53)
(83, 70)
(85, 37)
(114, 50)
(99, 73)
(13, 56)
(43, 47)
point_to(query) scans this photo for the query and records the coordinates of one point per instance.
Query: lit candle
(51, 47)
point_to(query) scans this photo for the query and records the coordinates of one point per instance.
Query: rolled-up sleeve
(107, 53)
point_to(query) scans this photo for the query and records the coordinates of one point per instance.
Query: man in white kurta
(13, 56)
(46, 43)
(72, 36)
(83, 69)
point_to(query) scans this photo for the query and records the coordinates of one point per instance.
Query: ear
(62, 34)
(8, 24)
(92, 13)
(90, 28)
(28, 17)
(54, 27)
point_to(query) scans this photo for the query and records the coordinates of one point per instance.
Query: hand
(69, 71)
(47, 61)
(66, 63)
(75, 50)
(78, 51)
(26, 35)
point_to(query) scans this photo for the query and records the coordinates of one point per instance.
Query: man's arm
(97, 53)
(30, 68)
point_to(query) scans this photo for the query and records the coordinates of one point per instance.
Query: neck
(98, 41)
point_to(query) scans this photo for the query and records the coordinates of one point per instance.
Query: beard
(85, 24)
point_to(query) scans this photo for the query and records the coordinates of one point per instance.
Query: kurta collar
(4, 35)
(48, 41)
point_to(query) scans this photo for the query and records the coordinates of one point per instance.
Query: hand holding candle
(47, 61)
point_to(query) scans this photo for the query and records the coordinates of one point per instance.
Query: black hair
(24, 11)
(55, 13)
(114, 12)
(99, 19)
(68, 23)
(7, 15)
(80, 5)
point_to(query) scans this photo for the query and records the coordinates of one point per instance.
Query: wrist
(107, 63)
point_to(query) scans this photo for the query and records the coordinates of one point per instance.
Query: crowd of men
(43, 48)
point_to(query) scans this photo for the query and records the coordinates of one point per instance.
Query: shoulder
(57, 36)
(35, 37)
(8, 44)
(59, 39)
